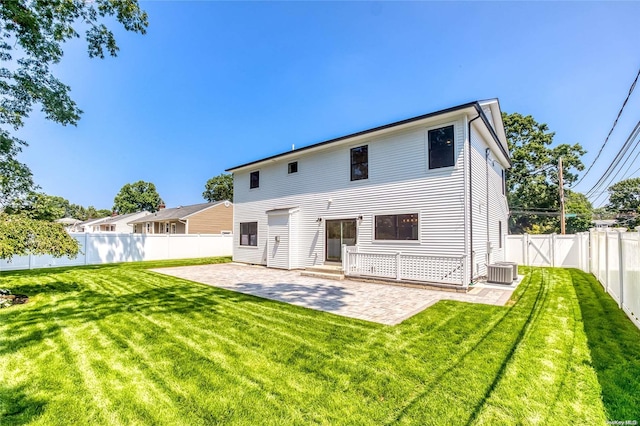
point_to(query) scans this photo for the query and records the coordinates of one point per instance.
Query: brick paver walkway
(382, 303)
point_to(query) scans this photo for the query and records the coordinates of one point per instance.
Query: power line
(616, 161)
(624, 104)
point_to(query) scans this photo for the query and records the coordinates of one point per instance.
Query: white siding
(489, 205)
(294, 256)
(278, 241)
(399, 182)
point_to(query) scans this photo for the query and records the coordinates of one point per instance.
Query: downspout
(471, 250)
(489, 248)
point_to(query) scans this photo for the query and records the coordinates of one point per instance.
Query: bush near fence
(102, 248)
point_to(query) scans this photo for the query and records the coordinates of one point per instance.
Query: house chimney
(114, 213)
(161, 205)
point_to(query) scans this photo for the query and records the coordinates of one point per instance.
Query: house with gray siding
(422, 199)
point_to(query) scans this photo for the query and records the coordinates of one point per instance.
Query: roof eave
(368, 132)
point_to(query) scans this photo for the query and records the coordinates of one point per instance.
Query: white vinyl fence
(613, 256)
(565, 251)
(615, 261)
(111, 248)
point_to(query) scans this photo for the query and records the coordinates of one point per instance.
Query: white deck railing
(404, 267)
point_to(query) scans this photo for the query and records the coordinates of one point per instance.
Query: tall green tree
(219, 188)
(136, 197)
(32, 34)
(532, 181)
(578, 204)
(624, 200)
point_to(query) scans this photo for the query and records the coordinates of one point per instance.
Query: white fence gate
(613, 256)
(566, 251)
(111, 248)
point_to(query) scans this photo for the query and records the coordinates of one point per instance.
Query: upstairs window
(249, 234)
(360, 163)
(292, 167)
(397, 227)
(254, 180)
(441, 152)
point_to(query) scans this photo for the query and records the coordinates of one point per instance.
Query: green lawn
(118, 344)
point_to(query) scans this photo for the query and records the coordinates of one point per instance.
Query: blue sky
(217, 84)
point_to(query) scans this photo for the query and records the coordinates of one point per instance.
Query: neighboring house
(205, 218)
(425, 195)
(604, 223)
(117, 224)
(86, 226)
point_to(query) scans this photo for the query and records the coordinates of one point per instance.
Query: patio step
(324, 271)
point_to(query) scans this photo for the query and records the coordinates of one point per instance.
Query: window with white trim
(249, 234)
(402, 227)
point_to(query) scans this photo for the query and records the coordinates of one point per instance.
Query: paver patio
(382, 303)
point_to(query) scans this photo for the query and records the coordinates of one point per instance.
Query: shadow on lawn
(33, 322)
(614, 343)
(20, 408)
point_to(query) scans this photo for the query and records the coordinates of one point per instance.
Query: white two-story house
(422, 199)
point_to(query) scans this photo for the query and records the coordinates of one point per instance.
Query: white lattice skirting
(405, 267)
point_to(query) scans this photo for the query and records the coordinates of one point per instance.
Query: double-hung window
(402, 227)
(441, 147)
(360, 162)
(249, 234)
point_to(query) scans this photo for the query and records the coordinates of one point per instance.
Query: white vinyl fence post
(398, 274)
(86, 248)
(552, 246)
(606, 260)
(621, 267)
(30, 261)
(527, 242)
(345, 260)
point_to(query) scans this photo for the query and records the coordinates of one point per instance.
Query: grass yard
(118, 344)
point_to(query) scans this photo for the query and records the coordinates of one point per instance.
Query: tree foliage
(532, 181)
(16, 180)
(219, 188)
(136, 197)
(32, 34)
(578, 204)
(20, 236)
(624, 200)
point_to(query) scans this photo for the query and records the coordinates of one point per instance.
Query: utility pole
(561, 190)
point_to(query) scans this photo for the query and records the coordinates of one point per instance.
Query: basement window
(441, 147)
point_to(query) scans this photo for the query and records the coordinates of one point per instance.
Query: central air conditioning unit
(499, 274)
(514, 265)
